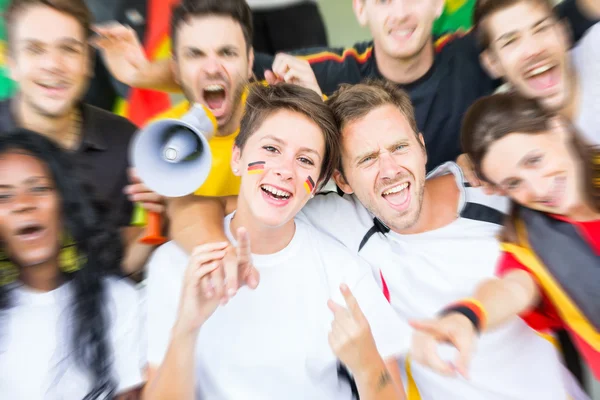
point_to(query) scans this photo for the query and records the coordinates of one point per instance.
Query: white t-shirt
(425, 272)
(271, 343)
(274, 4)
(34, 344)
(586, 60)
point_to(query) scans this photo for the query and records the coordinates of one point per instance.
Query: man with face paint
(442, 75)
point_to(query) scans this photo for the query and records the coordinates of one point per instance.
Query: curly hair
(101, 252)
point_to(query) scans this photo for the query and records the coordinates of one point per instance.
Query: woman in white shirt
(69, 326)
(286, 337)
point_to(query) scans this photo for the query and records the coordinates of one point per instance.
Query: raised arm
(494, 303)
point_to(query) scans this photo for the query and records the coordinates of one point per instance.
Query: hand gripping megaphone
(172, 158)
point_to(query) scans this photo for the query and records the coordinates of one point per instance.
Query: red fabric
(386, 291)
(545, 316)
(145, 104)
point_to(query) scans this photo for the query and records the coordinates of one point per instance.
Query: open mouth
(556, 194)
(543, 77)
(53, 86)
(275, 193)
(402, 34)
(215, 97)
(398, 196)
(30, 232)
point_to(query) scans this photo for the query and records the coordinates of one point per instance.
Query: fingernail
(209, 294)
(252, 282)
(231, 292)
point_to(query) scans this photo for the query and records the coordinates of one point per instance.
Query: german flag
(309, 185)
(256, 167)
(144, 104)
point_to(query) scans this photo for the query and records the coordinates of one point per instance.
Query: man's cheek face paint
(256, 167)
(309, 185)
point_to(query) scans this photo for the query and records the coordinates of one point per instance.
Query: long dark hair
(100, 251)
(493, 117)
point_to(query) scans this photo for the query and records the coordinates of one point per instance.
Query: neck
(441, 196)
(264, 239)
(406, 70)
(231, 126)
(583, 213)
(43, 277)
(56, 128)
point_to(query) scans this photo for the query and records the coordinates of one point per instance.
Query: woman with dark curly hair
(68, 324)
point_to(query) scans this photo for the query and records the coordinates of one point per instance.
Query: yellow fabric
(568, 310)
(412, 391)
(221, 181)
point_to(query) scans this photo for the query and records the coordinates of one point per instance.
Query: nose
(538, 188)
(531, 47)
(24, 202)
(388, 167)
(283, 169)
(398, 10)
(212, 65)
(52, 60)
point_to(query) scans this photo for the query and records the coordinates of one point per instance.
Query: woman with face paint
(549, 273)
(315, 306)
(69, 325)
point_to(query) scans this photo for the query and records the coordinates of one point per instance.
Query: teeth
(540, 70)
(214, 88)
(396, 189)
(275, 191)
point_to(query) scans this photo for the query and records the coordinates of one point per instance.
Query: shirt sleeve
(544, 316)
(127, 337)
(164, 284)
(340, 217)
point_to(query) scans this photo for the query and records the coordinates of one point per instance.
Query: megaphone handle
(153, 230)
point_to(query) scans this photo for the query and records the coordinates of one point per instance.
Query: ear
(359, 7)
(250, 63)
(91, 62)
(235, 161)
(491, 64)
(440, 5)
(11, 65)
(341, 182)
(422, 140)
(565, 34)
(175, 70)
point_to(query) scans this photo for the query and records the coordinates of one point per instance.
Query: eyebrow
(282, 142)
(28, 181)
(63, 40)
(512, 33)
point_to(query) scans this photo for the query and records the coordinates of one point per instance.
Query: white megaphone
(172, 156)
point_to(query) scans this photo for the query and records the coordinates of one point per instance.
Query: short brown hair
(263, 101)
(485, 8)
(491, 118)
(75, 8)
(238, 10)
(352, 102)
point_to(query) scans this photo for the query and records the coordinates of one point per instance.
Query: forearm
(196, 220)
(157, 75)
(136, 253)
(505, 298)
(175, 378)
(376, 382)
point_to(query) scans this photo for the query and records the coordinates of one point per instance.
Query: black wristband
(467, 312)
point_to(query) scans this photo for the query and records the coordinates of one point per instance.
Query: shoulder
(108, 119)
(359, 53)
(176, 112)
(123, 300)
(167, 259)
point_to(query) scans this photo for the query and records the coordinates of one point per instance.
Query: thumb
(427, 326)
